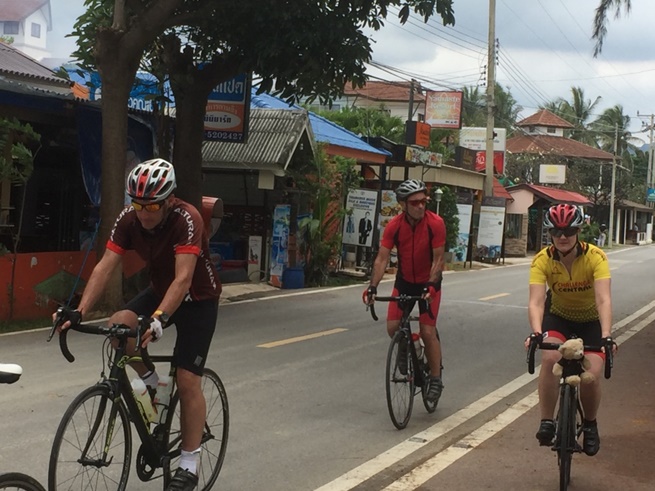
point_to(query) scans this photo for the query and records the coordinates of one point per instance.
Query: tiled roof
(555, 145)
(545, 118)
(554, 195)
(16, 10)
(17, 64)
(273, 137)
(325, 131)
(499, 190)
(385, 91)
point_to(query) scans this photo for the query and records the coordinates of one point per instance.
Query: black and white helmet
(409, 187)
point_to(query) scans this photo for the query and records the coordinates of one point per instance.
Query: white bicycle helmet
(152, 180)
(409, 187)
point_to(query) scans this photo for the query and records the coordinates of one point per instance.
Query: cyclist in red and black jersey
(169, 235)
(419, 236)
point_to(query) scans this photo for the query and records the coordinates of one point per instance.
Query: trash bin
(293, 278)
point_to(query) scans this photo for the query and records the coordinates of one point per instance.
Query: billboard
(444, 109)
(228, 109)
(360, 218)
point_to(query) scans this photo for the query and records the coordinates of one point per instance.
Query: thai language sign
(228, 109)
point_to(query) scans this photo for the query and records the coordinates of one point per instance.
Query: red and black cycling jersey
(414, 245)
(181, 232)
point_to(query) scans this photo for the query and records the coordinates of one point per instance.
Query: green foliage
(368, 122)
(16, 159)
(325, 185)
(448, 211)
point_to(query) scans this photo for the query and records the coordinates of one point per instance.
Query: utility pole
(610, 237)
(491, 85)
(650, 167)
(410, 116)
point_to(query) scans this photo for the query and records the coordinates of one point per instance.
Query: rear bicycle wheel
(19, 482)
(400, 386)
(92, 448)
(214, 439)
(566, 435)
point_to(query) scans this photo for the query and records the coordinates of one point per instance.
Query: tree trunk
(187, 152)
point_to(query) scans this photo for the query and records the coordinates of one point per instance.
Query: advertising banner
(552, 174)
(464, 212)
(254, 257)
(490, 231)
(280, 242)
(389, 208)
(228, 109)
(444, 109)
(359, 221)
(650, 195)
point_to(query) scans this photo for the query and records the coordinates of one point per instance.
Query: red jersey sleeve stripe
(188, 249)
(112, 246)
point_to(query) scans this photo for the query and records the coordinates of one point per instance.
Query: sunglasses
(417, 202)
(566, 232)
(152, 207)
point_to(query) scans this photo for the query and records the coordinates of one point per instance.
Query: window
(11, 27)
(514, 222)
(36, 30)
(551, 130)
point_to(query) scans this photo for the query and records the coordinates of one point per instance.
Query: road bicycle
(405, 376)
(570, 414)
(92, 448)
(10, 373)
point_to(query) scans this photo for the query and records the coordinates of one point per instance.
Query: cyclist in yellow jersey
(569, 295)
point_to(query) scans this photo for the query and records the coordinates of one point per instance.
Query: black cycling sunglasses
(566, 232)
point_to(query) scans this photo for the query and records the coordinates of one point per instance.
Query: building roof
(545, 118)
(325, 131)
(553, 195)
(385, 92)
(17, 10)
(273, 137)
(14, 63)
(626, 203)
(554, 145)
(499, 191)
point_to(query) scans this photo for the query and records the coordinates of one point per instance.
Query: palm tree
(474, 112)
(613, 125)
(600, 20)
(577, 112)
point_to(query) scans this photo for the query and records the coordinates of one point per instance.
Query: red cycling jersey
(181, 232)
(415, 244)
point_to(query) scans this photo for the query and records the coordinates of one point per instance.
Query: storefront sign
(423, 157)
(444, 109)
(359, 222)
(280, 242)
(650, 195)
(552, 174)
(418, 133)
(464, 212)
(490, 231)
(228, 109)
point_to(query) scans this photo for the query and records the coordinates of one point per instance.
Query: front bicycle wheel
(400, 380)
(565, 435)
(19, 482)
(214, 438)
(92, 448)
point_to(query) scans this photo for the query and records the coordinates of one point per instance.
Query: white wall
(28, 44)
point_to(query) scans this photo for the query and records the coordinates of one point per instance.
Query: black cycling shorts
(553, 324)
(195, 323)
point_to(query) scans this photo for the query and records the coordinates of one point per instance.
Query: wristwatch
(162, 316)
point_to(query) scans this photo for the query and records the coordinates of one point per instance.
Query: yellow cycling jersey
(572, 295)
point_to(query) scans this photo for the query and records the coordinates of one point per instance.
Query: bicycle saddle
(9, 373)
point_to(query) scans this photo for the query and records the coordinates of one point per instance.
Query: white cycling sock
(189, 460)
(151, 379)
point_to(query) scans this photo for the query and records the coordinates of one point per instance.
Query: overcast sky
(545, 49)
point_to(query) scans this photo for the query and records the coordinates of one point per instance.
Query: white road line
(386, 459)
(491, 297)
(430, 468)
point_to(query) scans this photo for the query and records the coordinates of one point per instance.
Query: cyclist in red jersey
(170, 236)
(419, 236)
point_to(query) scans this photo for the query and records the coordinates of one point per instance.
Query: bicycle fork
(102, 462)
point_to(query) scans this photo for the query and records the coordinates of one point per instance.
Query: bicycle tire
(86, 423)
(215, 436)
(19, 482)
(400, 387)
(566, 436)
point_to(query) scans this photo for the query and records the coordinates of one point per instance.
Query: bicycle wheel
(92, 448)
(19, 482)
(214, 438)
(565, 435)
(400, 386)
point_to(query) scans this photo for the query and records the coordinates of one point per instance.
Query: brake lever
(56, 323)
